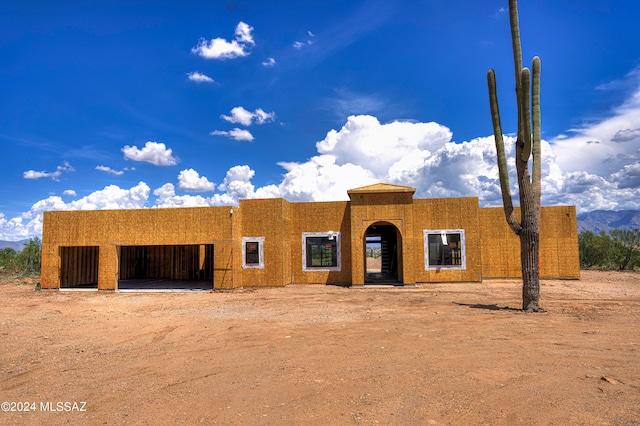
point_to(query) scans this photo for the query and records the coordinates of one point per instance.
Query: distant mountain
(606, 220)
(16, 245)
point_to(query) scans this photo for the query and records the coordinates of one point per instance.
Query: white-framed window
(444, 249)
(253, 252)
(321, 251)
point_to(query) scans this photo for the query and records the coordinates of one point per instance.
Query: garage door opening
(167, 267)
(79, 267)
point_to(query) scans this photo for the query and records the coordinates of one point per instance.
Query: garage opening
(383, 254)
(166, 267)
(79, 267)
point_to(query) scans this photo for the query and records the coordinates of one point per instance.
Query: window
(321, 251)
(253, 252)
(444, 249)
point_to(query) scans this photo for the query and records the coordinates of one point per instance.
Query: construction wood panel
(176, 243)
(448, 214)
(559, 255)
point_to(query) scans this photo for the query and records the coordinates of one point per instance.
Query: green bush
(25, 262)
(620, 249)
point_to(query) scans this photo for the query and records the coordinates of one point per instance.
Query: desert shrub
(25, 262)
(620, 249)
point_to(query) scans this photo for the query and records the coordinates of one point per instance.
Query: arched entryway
(383, 254)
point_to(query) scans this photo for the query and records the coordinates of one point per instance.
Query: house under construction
(274, 242)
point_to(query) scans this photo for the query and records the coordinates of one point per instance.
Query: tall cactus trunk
(527, 146)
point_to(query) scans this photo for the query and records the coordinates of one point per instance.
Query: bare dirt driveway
(432, 355)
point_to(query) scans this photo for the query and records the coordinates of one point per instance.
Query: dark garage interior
(166, 267)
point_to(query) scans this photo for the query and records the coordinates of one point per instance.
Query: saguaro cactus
(527, 227)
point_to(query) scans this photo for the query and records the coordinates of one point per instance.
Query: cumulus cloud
(190, 180)
(627, 177)
(245, 117)
(626, 135)
(322, 179)
(576, 170)
(109, 170)
(64, 168)
(237, 134)
(235, 186)
(155, 153)
(166, 197)
(423, 155)
(199, 77)
(29, 223)
(69, 193)
(219, 48)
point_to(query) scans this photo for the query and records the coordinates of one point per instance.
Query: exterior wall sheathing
(491, 248)
(559, 255)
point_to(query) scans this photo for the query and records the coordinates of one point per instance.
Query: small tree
(595, 250)
(527, 146)
(625, 248)
(29, 258)
(8, 260)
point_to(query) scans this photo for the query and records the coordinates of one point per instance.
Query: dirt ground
(432, 355)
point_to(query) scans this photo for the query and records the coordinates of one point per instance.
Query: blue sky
(164, 104)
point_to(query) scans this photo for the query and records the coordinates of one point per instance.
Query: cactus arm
(503, 171)
(515, 38)
(525, 83)
(537, 149)
(517, 58)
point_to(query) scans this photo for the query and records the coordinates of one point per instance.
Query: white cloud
(69, 193)
(628, 176)
(239, 115)
(364, 141)
(199, 77)
(237, 134)
(423, 155)
(262, 117)
(29, 223)
(190, 180)
(236, 185)
(155, 153)
(65, 167)
(166, 197)
(237, 182)
(321, 179)
(606, 145)
(245, 117)
(112, 197)
(219, 48)
(243, 33)
(109, 170)
(269, 62)
(298, 45)
(594, 167)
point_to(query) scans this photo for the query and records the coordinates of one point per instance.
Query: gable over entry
(389, 207)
